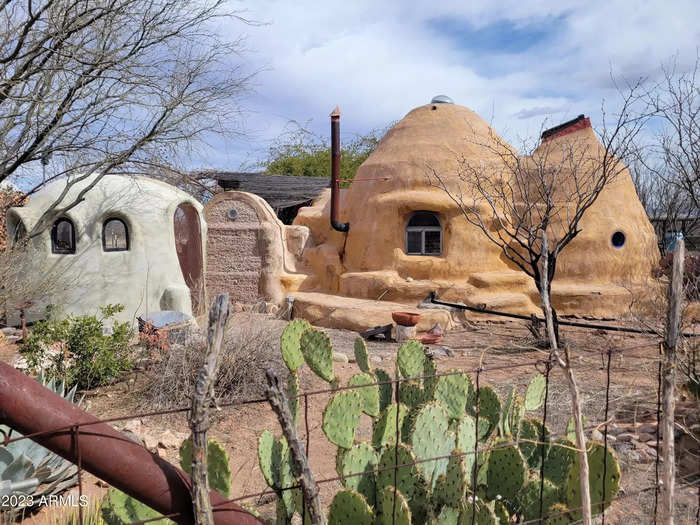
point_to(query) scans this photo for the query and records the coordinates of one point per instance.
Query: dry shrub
(250, 345)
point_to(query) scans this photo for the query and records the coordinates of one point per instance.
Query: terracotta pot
(405, 318)
(430, 339)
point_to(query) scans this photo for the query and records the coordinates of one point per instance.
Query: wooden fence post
(673, 328)
(278, 401)
(201, 400)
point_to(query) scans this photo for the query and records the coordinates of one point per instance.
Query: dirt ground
(507, 357)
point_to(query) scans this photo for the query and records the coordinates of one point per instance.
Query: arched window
(63, 236)
(115, 236)
(424, 234)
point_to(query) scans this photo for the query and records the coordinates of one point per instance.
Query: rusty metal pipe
(29, 407)
(335, 172)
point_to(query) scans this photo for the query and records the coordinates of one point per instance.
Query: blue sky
(519, 64)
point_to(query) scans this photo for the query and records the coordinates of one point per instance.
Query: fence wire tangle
(541, 365)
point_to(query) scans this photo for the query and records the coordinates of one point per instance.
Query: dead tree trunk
(201, 400)
(278, 401)
(673, 328)
(573, 387)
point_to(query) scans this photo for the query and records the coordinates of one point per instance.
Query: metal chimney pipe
(29, 407)
(335, 172)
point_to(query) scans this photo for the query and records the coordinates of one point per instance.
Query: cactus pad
(271, 455)
(348, 507)
(385, 427)
(429, 379)
(558, 515)
(341, 417)
(360, 458)
(530, 498)
(489, 410)
(318, 353)
(369, 394)
(293, 390)
(528, 434)
(410, 359)
(542, 447)
(452, 487)
(218, 468)
(562, 454)
(517, 410)
(362, 355)
(393, 508)
(452, 392)
(506, 471)
(466, 441)
(411, 394)
(448, 516)
(290, 343)
(407, 479)
(504, 423)
(430, 431)
(534, 397)
(481, 514)
(119, 507)
(596, 454)
(385, 389)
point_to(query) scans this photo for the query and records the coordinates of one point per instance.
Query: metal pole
(30, 408)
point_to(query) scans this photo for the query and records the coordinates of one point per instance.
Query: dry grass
(249, 347)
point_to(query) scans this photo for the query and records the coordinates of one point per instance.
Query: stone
(646, 437)
(101, 483)
(626, 436)
(404, 333)
(376, 359)
(150, 441)
(134, 426)
(436, 329)
(647, 428)
(169, 439)
(271, 308)
(340, 358)
(237, 307)
(597, 435)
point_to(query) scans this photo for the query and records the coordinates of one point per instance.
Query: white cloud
(378, 60)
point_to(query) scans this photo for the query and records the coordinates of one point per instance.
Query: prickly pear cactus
(453, 391)
(448, 516)
(452, 486)
(504, 423)
(362, 355)
(385, 389)
(293, 391)
(489, 410)
(407, 480)
(290, 343)
(369, 394)
(410, 359)
(429, 379)
(360, 458)
(562, 454)
(393, 508)
(481, 514)
(430, 431)
(466, 441)
(385, 427)
(272, 454)
(558, 515)
(217, 465)
(530, 498)
(411, 394)
(349, 506)
(599, 501)
(119, 508)
(341, 417)
(506, 471)
(534, 397)
(318, 353)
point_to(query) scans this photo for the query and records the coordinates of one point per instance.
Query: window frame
(54, 231)
(126, 232)
(422, 230)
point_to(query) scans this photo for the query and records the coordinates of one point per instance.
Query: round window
(232, 214)
(618, 239)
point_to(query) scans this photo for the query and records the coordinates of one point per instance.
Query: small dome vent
(442, 99)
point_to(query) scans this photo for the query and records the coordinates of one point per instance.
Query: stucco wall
(145, 278)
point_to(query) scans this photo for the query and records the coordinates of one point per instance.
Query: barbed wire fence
(540, 365)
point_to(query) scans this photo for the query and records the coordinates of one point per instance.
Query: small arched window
(63, 236)
(424, 234)
(115, 236)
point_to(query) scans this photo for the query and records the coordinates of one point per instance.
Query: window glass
(63, 237)
(115, 236)
(424, 234)
(432, 242)
(413, 242)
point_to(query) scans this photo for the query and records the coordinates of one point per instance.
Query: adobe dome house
(133, 241)
(405, 237)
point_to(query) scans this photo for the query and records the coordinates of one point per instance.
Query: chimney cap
(336, 112)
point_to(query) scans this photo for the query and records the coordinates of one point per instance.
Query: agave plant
(29, 471)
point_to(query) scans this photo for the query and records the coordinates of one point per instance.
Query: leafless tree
(675, 102)
(531, 206)
(91, 87)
